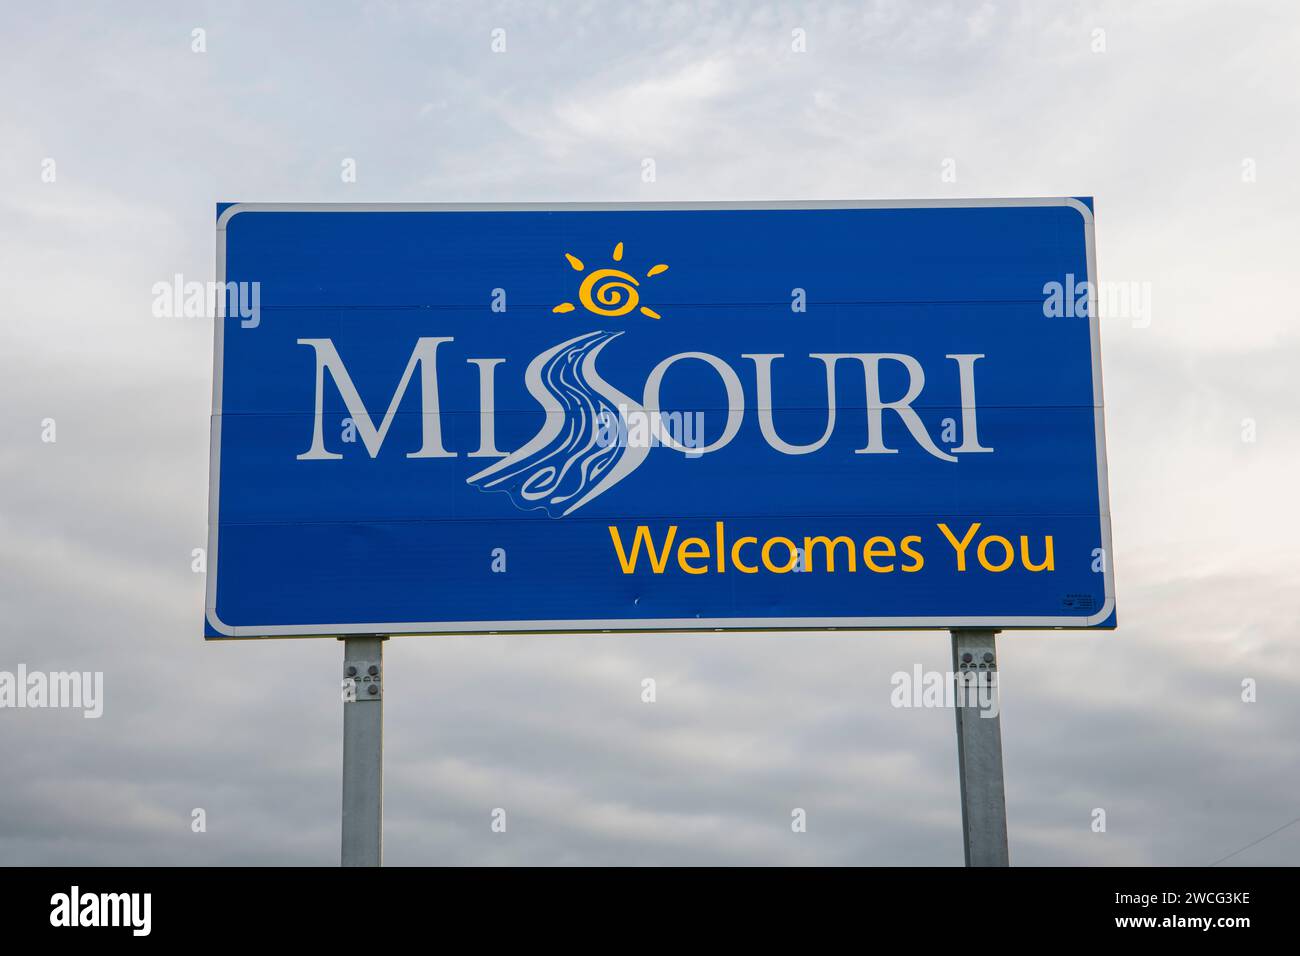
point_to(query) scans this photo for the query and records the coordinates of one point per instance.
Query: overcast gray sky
(1183, 126)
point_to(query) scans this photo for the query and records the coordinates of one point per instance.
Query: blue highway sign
(581, 417)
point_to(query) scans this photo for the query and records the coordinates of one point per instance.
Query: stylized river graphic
(567, 463)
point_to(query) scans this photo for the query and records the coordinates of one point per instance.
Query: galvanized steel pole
(979, 748)
(363, 751)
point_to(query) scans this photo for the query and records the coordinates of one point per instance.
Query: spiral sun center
(609, 292)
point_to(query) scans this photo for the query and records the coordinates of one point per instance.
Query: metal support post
(363, 751)
(979, 748)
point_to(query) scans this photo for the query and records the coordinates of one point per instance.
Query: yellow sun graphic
(609, 292)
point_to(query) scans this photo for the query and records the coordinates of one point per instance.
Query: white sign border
(657, 624)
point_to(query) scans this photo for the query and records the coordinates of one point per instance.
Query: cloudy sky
(1180, 118)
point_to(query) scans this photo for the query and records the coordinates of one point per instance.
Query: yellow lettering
(691, 549)
(735, 556)
(983, 549)
(870, 553)
(657, 561)
(767, 555)
(737, 562)
(829, 545)
(961, 545)
(920, 561)
(1048, 560)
